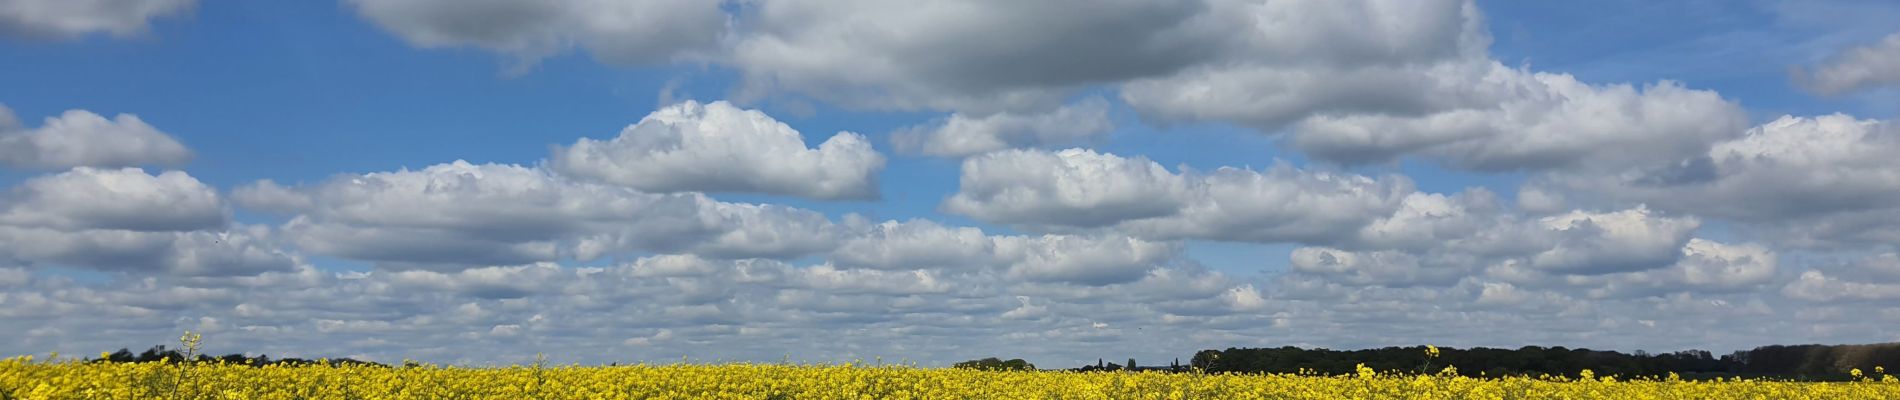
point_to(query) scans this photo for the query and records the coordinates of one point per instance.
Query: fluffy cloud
(1079, 259)
(1295, 58)
(720, 147)
(126, 220)
(916, 244)
(1385, 267)
(65, 19)
(124, 199)
(1818, 286)
(459, 214)
(1073, 187)
(1536, 121)
(1626, 247)
(879, 55)
(963, 135)
(1423, 85)
(1085, 260)
(239, 251)
(1612, 242)
(1810, 181)
(622, 32)
(1083, 189)
(81, 138)
(1872, 65)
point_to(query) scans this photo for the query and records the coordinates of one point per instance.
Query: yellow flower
(1431, 351)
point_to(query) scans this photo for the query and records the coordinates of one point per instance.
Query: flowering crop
(23, 378)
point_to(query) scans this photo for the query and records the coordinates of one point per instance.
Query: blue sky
(1624, 175)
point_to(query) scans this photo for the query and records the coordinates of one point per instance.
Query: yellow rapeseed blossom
(24, 378)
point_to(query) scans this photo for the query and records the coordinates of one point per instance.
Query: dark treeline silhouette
(995, 364)
(1805, 362)
(160, 353)
(1175, 366)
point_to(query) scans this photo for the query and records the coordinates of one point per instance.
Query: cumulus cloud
(459, 214)
(1470, 113)
(1872, 65)
(916, 244)
(1077, 259)
(720, 147)
(1613, 242)
(125, 220)
(1073, 187)
(66, 19)
(1812, 181)
(1538, 121)
(1086, 260)
(1818, 286)
(225, 252)
(1423, 85)
(1077, 188)
(122, 199)
(879, 55)
(1291, 59)
(81, 138)
(621, 32)
(963, 135)
(1384, 267)
(1623, 248)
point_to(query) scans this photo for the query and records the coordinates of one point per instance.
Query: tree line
(1803, 362)
(162, 354)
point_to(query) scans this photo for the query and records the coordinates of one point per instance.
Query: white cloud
(236, 251)
(1422, 85)
(1822, 181)
(830, 280)
(125, 220)
(1711, 265)
(1085, 260)
(1083, 189)
(459, 214)
(80, 138)
(124, 199)
(1296, 58)
(1861, 67)
(962, 135)
(718, 147)
(1073, 187)
(1624, 253)
(1619, 241)
(1386, 268)
(1093, 260)
(8, 121)
(620, 32)
(916, 244)
(66, 19)
(1818, 286)
(978, 57)
(1532, 121)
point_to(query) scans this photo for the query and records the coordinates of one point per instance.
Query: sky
(475, 182)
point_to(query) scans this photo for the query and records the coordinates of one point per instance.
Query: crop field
(24, 378)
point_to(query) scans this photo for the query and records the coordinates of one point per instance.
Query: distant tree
(994, 364)
(1131, 363)
(1204, 359)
